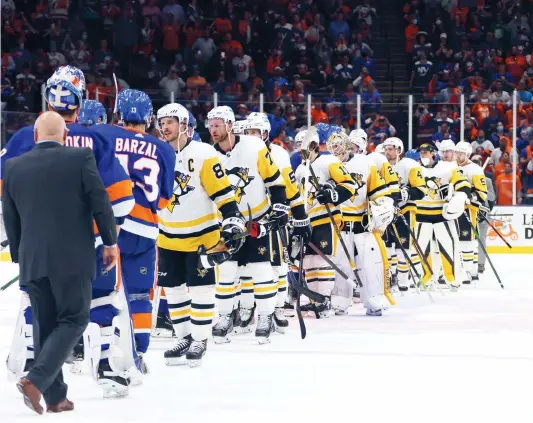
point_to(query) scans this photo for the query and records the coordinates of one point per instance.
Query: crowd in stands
(480, 49)
(190, 49)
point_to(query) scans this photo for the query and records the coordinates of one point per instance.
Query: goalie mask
(338, 144)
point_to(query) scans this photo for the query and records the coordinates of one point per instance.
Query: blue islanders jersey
(150, 164)
(116, 181)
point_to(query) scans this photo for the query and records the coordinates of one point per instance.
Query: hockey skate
(223, 329)
(113, 384)
(280, 321)
(246, 319)
(236, 316)
(376, 312)
(481, 268)
(76, 359)
(196, 352)
(288, 310)
(176, 355)
(321, 310)
(163, 327)
(265, 327)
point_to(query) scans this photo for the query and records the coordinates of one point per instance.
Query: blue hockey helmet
(413, 154)
(192, 121)
(91, 112)
(325, 130)
(65, 88)
(134, 106)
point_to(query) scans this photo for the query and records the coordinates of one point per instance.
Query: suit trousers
(60, 309)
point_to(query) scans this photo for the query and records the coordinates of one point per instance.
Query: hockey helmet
(65, 88)
(413, 154)
(464, 147)
(380, 149)
(91, 112)
(338, 144)
(325, 130)
(359, 133)
(134, 106)
(239, 126)
(221, 112)
(256, 120)
(192, 121)
(394, 142)
(447, 145)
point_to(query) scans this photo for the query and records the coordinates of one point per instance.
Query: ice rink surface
(466, 358)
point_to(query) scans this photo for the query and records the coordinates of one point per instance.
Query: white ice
(467, 358)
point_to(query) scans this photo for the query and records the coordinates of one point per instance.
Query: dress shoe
(65, 405)
(32, 396)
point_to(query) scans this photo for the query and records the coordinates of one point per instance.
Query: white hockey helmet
(447, 145)
(393, 142)
(359, 133)
(173, 110)
(380, 149)
(256, 120)
(301, 137)
(239, 126)
(338, 144)
(463, 147)
(221, 112)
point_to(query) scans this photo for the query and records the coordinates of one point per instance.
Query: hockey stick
(409, 261)
(333, 265)
(483, 248)
(484, 217)
(11, 282)
(416, 244)
(298, 285)
(303, 329)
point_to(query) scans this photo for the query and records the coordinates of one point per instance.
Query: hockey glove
(382, 213)
(231, 227)
(208, 261)
(327, 194)
(279, 217)
(302, 228)
(404, 192)
(455, 207)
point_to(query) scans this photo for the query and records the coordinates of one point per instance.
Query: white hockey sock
(265, 288)
(179, 309)
(281, 273)
(225, 288)
(247, 292)
(320, 276)
(202, 311)
(403, 269)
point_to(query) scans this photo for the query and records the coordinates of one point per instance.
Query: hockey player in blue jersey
(92, 113)
(64, 95)
(150, 164)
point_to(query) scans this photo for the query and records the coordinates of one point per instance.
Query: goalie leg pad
(448, 243)
(22, 346)
(424, 236)
(371, 262)
(179, 306)
(226, 286)
(342, 293)
(265, 288)
(202, 311)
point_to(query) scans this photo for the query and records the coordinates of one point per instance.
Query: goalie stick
(485, 218)
(483, 248)
(11, 282)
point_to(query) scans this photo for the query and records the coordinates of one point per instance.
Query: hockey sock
(202, 311)
(281, 297)
(265, 288)
(247, 292)
(226, 287)
(179, 307)
(403, 269)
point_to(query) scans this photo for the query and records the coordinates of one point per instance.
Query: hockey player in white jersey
(252, 173)
(475, 175)
(189, 223)
(335, 186)
(412, 188)
(365, 217)
(258, 125)
(447, 193)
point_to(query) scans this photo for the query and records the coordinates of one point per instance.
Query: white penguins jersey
(387, 172)
(251, 171)
(410, 174)
(283, 161)
(365, 173)
(327, 168)
(475, 175)
(439, 179)
(201, 189)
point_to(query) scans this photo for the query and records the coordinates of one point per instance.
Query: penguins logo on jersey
(244, 180)
(261, 250)
(202, 272)
(181, 189)
(323, 244)
(434, 187)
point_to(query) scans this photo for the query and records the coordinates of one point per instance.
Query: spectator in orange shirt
(196, 80)
(410, 36)
(504, 187)
(171, 40)
(317, 114)
(500, 166)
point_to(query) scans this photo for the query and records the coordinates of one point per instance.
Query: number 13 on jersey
(144, 173)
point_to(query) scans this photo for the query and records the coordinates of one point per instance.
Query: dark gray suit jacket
(50, 196)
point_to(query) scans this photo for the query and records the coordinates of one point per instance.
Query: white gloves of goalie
(404, 192)
(381, 214)
(454, 208)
